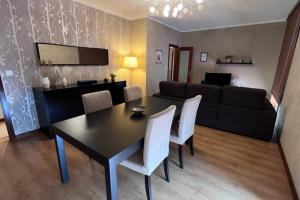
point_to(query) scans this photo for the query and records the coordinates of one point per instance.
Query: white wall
(261, 43)
(158, 38)
(138, 41)
(288, 121)
(86, 26)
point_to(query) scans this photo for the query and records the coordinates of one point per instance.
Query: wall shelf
(233, 63)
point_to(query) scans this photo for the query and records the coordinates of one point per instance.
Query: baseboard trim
(289, 175)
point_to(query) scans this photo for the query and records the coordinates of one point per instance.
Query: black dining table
(108, 136)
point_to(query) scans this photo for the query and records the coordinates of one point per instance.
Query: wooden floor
(225, 166)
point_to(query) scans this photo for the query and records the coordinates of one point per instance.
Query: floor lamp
(130, 62)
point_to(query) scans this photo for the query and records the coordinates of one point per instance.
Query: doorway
(180, 63)
(6, 127)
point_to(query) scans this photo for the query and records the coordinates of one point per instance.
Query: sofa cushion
(238, 120)
(243, 97)
(173, 89)
(210, 93)
(207, 114)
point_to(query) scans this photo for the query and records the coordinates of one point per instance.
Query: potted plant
(112, 77)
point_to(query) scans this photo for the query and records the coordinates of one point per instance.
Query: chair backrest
(95, 101)
(188, 117)
(132, 93)
(157, 138)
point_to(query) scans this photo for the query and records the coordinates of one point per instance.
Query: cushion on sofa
(210, 93)
(173, 89)
(243, 97)
(237, 120)
(207, 114)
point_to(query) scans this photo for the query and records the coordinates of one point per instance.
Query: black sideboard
(58, 103)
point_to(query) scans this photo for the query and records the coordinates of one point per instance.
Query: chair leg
(192, 145)
(166, 168)
(148, 187)
(180, 154)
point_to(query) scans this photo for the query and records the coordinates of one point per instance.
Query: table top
(110, 131)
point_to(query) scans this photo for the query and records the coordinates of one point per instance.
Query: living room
(240, 58)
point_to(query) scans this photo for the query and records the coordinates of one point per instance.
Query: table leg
(61, 156)
(111, 181)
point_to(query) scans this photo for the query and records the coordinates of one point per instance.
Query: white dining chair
(184, 130)
(132, 93)
(156, 147)
(95, 101)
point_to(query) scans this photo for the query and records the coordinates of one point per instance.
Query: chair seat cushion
(174, 134)
(135, 163)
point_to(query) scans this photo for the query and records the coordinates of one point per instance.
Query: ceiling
(215, 14)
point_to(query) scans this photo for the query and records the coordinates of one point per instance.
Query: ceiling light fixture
(199, 1)
(179, 8)
(152, 9)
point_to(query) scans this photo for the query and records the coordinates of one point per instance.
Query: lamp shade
(130, 62)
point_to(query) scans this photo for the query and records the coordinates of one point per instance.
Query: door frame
(189, 73)
(170, 75)
(6, 113)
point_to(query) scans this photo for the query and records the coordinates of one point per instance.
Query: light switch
(9, 73)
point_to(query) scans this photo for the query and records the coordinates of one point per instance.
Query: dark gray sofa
(245, 111)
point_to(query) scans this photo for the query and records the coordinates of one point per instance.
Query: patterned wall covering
(23, 22)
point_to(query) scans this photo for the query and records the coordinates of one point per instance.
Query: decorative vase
(64, 81)
(45, 82)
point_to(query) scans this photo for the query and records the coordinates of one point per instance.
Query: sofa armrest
(266, 123)
(268, 105)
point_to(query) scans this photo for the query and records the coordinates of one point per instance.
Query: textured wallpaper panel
(54, 21)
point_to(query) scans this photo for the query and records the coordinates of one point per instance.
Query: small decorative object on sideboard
(64, 81)
(112, 77)
(105, 80)
(45, 82)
